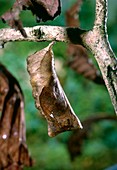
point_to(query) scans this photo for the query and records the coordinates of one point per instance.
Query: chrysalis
(49, 96)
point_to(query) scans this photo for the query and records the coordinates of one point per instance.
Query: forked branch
(96, 40)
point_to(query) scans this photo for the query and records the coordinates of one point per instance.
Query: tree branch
(42, 33)
(37, 33)
(97, 41)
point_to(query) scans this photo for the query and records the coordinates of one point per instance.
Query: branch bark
(96, 40)
(42, 33)
(37, 33)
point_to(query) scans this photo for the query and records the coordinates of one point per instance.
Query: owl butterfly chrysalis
(49, 96)
(13, 149)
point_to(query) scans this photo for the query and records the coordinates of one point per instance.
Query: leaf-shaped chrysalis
(49, 96)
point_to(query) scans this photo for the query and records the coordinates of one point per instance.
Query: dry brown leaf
(78, 55)
(43, 9)
(12, 124)
(82, 64)
(72, 14)
(49, 96)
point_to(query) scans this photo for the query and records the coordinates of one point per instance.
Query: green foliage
(86, 98)
(87, 16)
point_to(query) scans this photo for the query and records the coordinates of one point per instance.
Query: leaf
(78, 55)
(13, 151)
(13, 19)
(72, 14)
(49, 96)
(76, 140)
(43, 9)
(82, 64)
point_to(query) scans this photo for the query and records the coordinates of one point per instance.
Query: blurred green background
(86, 98)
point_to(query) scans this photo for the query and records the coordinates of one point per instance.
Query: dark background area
(86, 98)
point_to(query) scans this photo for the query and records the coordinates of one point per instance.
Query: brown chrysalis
(49, 96)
